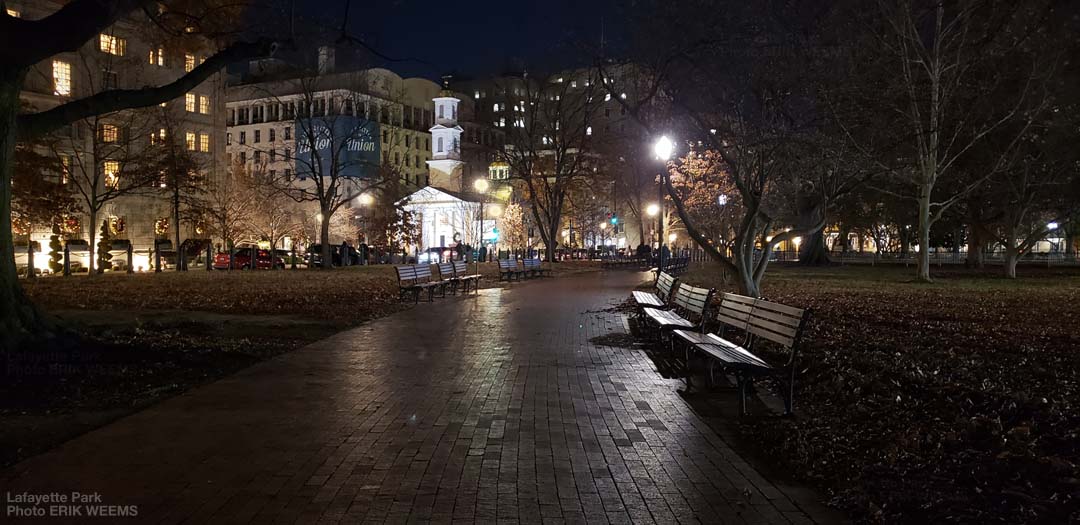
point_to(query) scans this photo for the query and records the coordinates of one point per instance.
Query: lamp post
(663, 149)
(603, 229)
(365, 200)
(652, 210)
(481, 187)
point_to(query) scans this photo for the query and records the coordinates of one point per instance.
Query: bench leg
(789, 399)
(745, 383)
(689, 378)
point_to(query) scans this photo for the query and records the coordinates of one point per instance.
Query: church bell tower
(445, 167)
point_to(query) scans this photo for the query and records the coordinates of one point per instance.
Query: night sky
(478, 37)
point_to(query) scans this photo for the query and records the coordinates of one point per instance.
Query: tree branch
(37, 124)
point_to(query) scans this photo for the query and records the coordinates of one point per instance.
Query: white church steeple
(444, 168)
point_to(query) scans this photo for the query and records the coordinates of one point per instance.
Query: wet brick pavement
(494, 408)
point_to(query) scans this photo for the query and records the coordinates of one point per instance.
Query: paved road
(480, 409)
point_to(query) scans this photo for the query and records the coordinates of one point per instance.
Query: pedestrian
(345, 253)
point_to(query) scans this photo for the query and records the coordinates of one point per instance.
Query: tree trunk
(550, 243)
(923, 270)
(1012, 256)
(324, 234)
(812, 252)
(93, 246)
(1067, 238)
(18, 316)
(176, 227)
(975, 248)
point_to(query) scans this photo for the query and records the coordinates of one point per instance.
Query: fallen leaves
(956, 401)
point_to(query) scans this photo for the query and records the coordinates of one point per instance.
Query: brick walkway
(481, 409)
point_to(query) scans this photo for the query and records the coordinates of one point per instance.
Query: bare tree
(550, 150)
(228, 205)
(944, 91)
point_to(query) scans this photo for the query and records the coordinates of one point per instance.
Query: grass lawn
(951, 401)
(144, 337)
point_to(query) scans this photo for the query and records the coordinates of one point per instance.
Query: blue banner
(348, 145)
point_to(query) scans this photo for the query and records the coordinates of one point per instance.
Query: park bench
(687, 310)
(461, 272)
(447, 274)
(416, 278)
(508, 269)
(760, 321)
(535, 267)
(664, 284)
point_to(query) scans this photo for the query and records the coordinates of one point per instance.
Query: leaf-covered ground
(136, 339)
(956, 401)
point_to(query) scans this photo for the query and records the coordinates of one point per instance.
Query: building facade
(106, 160)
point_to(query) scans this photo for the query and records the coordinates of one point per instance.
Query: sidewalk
(488, 407)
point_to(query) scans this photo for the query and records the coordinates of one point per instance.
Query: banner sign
(348, 145)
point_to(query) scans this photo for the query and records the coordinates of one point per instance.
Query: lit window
(573, 83)
(157, 56)
(228, 139)
(158, 138)
(204, 105)
(189, 61)
(189, 140)
(13, 13)
(204, 142)
(111, 169)
(502, 122)
(113, 45)
(607, 97)
(476, 94)
(622, 96)
(110, 133)
(588, 131)
(189, 102)
(61, 77)
(560, 80)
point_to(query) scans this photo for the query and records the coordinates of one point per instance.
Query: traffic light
(614, 218)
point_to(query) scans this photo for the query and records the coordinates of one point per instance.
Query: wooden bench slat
(778, 318)
(766, 324)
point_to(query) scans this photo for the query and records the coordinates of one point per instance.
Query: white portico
(445, 218)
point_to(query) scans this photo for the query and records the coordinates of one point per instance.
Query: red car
(242, 260)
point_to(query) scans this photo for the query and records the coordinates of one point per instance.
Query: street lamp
(481, 187)
(603, 230)
(365, 200)
(663, 149)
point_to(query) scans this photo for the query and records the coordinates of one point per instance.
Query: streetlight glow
(652, 210)
(664, 148)
(481, 185)
(672, 237)
(603, 225)
(366, 199)
(1052, 226)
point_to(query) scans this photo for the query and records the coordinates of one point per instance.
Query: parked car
(242, 259)
(315, 254)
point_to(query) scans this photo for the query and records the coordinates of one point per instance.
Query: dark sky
(477, 37)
